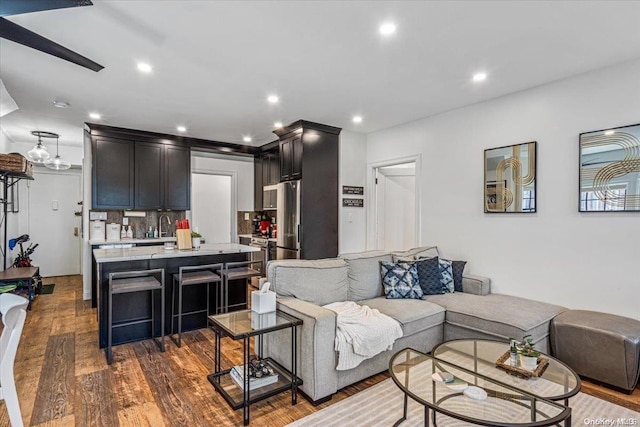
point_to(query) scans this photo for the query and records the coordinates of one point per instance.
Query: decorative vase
(195, 242)
(528, 363)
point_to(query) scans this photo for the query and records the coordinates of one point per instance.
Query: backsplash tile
(140, 225)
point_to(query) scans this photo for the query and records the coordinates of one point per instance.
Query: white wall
(586, 261)
(352, 221)
(242, 167)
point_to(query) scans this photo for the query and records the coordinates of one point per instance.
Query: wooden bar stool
(188, 276)
(135, 281)
(235, 271)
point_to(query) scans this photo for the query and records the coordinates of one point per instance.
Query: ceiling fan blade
(18, 34)
(16, 7)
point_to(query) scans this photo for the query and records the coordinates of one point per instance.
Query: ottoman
(600, 346)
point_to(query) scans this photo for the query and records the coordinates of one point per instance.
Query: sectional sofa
(304, 286)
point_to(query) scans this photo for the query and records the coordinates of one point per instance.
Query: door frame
(234, 197)
(371, 196)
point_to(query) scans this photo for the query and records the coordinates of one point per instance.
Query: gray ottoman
(600, 346)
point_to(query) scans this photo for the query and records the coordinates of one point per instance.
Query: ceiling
(215, 63)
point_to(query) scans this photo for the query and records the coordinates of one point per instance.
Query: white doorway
(48, 207)
(394, 212)
(212, 206)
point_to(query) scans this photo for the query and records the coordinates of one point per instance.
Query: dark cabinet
(266, 170)
(257, 183)
(270, 169)
(177, 178)
(291, 159)
(149, 176)
(130, 174)
(112, 173)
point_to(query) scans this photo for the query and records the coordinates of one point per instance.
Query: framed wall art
(610, 170)
(510, 179)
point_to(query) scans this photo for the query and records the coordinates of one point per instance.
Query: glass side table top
(504, 405)
(557, 382)
(246, 323)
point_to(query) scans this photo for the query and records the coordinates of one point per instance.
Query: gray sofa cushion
(411, 254)
(414, 315)
(499, 315)
(364, 274)
(317, 281)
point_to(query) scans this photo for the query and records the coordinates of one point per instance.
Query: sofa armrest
(478, 285)
(316, 340)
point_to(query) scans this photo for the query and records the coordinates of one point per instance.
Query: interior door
(396, 207)
(47, 214)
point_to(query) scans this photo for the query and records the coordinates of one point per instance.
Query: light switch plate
(125, 221)
(246, 216)
(55, 205)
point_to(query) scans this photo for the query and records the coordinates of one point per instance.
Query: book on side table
(237, 374)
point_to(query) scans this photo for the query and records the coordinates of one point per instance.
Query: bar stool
(135, 281)
(235, 271)
(187, 276)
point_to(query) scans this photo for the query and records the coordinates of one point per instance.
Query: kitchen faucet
(160, 232)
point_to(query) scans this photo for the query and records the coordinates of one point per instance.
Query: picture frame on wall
(510, 178)
(609, 170)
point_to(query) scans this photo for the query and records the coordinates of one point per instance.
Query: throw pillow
(400, 280)
(458, 270)
(429, 276)
(446, 275)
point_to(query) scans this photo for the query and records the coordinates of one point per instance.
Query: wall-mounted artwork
(610, 170)
(510, 179)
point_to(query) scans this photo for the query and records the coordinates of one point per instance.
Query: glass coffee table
(509, 401)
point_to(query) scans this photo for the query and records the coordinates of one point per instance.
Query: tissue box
(265, 320)
(263, 302)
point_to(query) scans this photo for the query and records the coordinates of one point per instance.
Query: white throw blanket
(361, 333)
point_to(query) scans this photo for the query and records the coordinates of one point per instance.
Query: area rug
(47, 289)
(382, 405)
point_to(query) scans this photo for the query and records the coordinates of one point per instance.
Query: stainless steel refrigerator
(288, 220)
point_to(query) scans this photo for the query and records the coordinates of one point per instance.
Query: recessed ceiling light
(95, 116)
(609, 132)
(246, 139)
(61, 104)
(273, 99)
(181, 129)
(387, 28)
(277, 125)
(143, 67)
(478, 77)
(357, 119)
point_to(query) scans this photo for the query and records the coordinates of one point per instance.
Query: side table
(242, 325)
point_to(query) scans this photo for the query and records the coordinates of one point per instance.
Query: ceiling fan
(18, 34)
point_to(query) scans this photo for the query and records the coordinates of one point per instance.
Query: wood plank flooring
(63, 379)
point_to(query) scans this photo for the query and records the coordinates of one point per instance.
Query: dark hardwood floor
(63, 379)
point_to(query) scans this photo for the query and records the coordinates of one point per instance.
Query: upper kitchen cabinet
(270, 168)
(149, 174)
(266, 169)
(310, 152)
(129, 173)
(177, 177)
(291, 158)
(112, 173)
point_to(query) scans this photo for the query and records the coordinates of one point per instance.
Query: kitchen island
(139, 305)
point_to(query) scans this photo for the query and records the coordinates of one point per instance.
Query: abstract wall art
(610, 170)
(510, 179)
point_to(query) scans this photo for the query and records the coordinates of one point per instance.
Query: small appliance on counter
(97, 231)
(113, 231)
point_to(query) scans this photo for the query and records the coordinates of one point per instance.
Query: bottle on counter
(155, 233)
(123, 232)
(129, 232)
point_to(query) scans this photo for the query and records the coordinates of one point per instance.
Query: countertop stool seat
(236, 271)
(135, 281)
(195, 275)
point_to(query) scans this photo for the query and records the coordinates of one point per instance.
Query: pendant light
(57, 163)
(39, 153)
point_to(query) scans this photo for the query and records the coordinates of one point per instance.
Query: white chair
(14, 313)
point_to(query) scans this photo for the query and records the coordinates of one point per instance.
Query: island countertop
(156, 252)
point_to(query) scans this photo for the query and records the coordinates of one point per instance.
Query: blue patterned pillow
(429, 276)
(458, 269)
(400, 280)
(446, 275)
